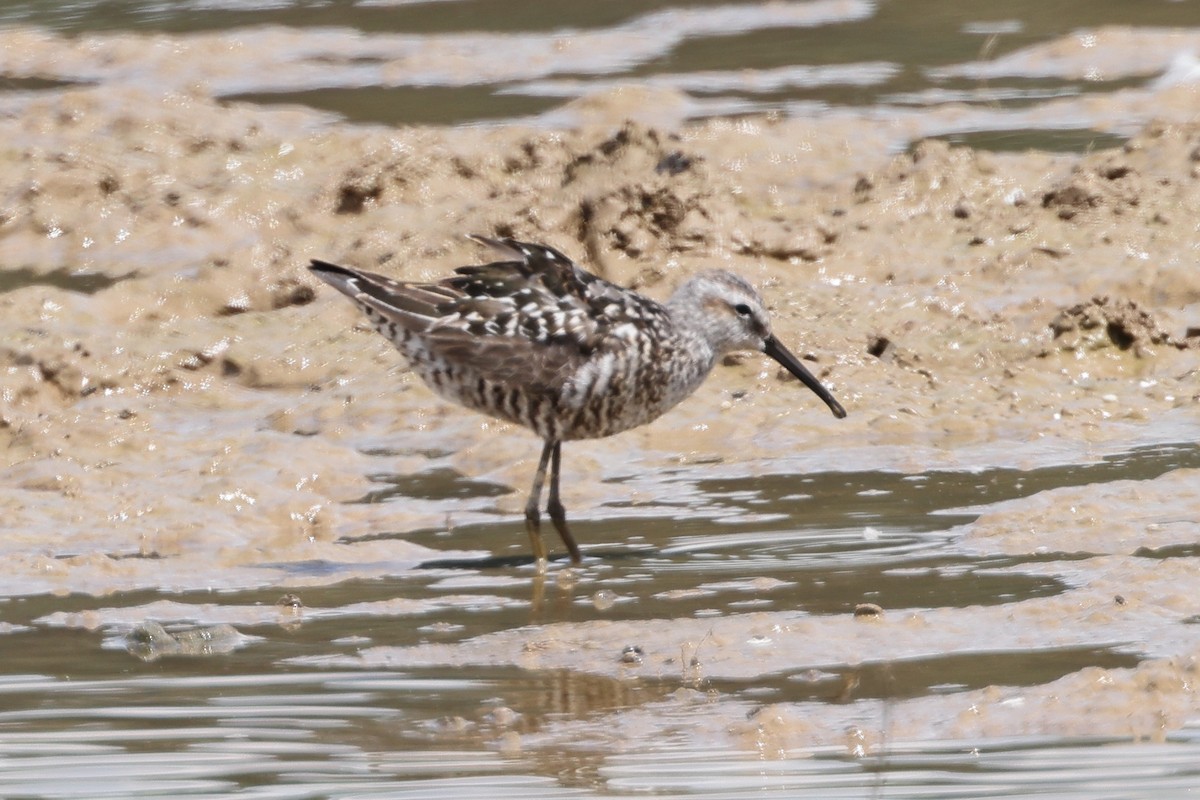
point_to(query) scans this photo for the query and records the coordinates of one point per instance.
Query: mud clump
(1102, 322)
(366, 182)
(45, 371)
(663, 208)
(632, 145)
(353, 198)
(1094, 186)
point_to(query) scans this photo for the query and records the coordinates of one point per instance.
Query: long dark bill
(775, 350)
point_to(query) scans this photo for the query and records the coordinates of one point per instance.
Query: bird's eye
(742, 309)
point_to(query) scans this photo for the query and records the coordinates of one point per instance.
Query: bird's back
(534, 339)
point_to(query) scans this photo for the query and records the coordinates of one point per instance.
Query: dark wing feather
(507, 360)
(526, 321)
(474, 321)
(532, 266)
(413, 305)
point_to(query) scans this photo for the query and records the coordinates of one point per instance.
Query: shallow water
(465, 61)
(285, 713)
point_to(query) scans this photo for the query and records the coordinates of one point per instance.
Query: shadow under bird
(536, 340)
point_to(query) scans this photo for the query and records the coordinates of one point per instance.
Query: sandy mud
(185, 408)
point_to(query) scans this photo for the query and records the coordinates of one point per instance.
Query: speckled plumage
(538, 341)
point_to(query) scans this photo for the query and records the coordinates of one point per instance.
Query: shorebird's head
(730, 315)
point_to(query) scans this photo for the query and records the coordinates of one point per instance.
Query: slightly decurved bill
(777, 351)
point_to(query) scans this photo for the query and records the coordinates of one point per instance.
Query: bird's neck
(689, 320)
(690, 338)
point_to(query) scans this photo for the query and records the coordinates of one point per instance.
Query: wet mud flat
(199, 438)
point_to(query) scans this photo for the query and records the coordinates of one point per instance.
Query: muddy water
(975, 71)
(245, 550)
(333, 692)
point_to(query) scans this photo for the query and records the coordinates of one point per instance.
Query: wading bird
(536, 340)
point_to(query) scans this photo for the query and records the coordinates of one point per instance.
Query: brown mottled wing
(507, 360)
(529, 321)
(531, 265)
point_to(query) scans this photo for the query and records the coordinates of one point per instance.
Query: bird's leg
(532, 516)
(558, 514)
